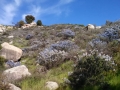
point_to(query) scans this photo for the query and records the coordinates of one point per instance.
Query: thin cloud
(56, 9)
(7, 14)
(35, 12)
(62, 2)
(18, 2)
(8, 11)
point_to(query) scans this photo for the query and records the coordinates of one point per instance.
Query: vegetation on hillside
(39, 23)
(68, 54)
(21, 23)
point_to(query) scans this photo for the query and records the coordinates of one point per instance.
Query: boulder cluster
(50, 46)
(3, 28)
(15, 70)
(29, 25)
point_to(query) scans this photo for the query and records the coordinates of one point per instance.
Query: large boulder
(33, 24)
(10, 52)
(16, 73)
(1, 31)
(50, 85)
(90, 26)
(13, 87)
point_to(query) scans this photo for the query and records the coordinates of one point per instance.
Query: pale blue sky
(60, 11)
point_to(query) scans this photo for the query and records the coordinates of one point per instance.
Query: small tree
(39, 23)
(21, 23)
(29, 19)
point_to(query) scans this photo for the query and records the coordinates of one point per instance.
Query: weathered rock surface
(50, 85)
(10, 52)
(16, 73)
(13, 87)
(90, 26)
(1, 31)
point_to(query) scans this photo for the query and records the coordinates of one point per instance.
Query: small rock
(52, 85)
(13, 87)
(28, 37)
(90, 26)
(10, 37)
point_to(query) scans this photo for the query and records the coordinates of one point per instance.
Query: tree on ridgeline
(29, 19)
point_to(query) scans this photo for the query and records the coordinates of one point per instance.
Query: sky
(60, 11)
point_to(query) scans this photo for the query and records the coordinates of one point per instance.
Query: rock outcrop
(90, 26)
(50, 85)
(16, 73)
(13, 87)
(10, 52)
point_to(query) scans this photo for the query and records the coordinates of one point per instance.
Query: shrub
(109, 34)
(21, 23)
(103, 39)
(29, 19)
(91, 70)
(66, 34)
(0, 47)
(2, 60)
(51, 58)
(97, 44)
(65, 45)
(39, 23)
(114, 47)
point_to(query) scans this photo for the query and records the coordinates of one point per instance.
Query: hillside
(57, 53)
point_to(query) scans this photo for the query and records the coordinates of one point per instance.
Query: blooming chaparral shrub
(103, 39)
(65, 45)
(51, 58)
(56, 54)
(97, 44)
(109, 34)
(66, 34)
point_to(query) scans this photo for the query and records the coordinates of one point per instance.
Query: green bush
(21, 23)
(0, 47)
(91, 70)
(29, 19)
(2, 60)
(39, 23)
